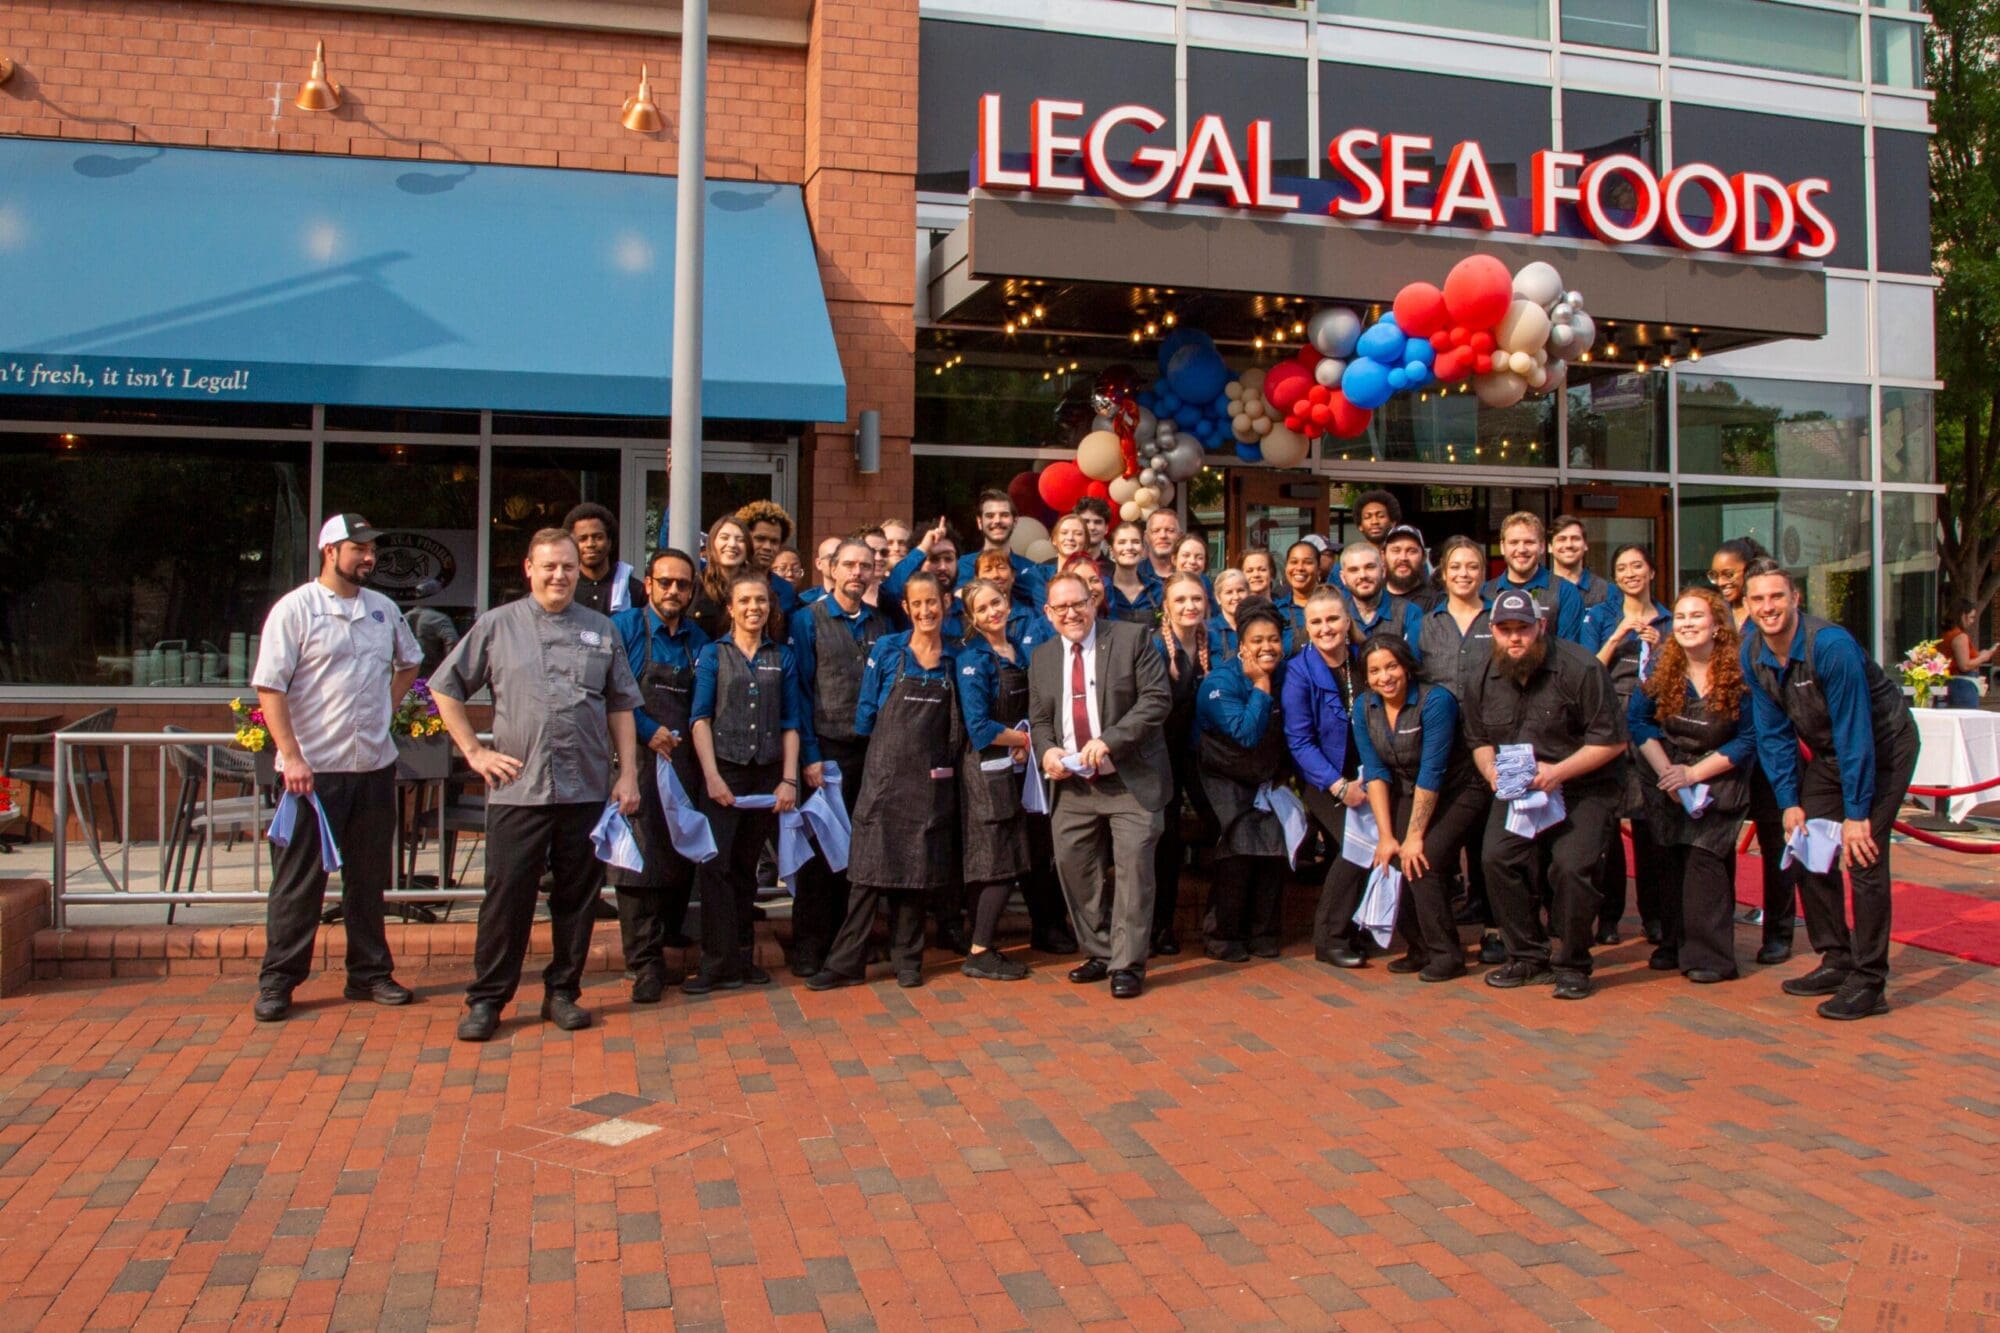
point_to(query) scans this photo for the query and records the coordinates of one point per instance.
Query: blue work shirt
(1600, 622)
(1029, 628)
(1439, 718)
(892, 656)
(1569, 602)
(1410, 624)
(1838, 665)
(677, 650)
(792, 713)
(1595, 590)
(1029, 578)
(1316, 718)
(812, 594)
(1231, 706)
(891, 600)
(1294, 613)
(979, 685)
(1141, 609)
(805, 630)
(1642, 721)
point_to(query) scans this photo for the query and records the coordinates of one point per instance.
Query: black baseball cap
(1514, 607)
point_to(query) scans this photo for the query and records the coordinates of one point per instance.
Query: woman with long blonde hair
(1691, 723)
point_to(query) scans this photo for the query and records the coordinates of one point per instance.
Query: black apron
(669, 695)
(1689, 736)
(1798, 693)
(996, 828)
(1230, 776)
(905, 819)
(1401, 749)
(1624, 669)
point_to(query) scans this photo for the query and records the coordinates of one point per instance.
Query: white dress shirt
(1065, 716)
(332, 658)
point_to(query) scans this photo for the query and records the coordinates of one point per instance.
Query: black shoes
(804, 965)
(481, 1021)
(1448, 969)
(953, 936)
(565, 1013)
(386, 991)
(1666, 958)
(1091, 969)
(701, 983)
(1520, 972)
(1126, 985)
(1227, 951)
(753, 975)
(1405, 965)
(1607, 935)
(1822, 980)
(1340, 955)
(271, 1006)
(1492, 950)
(1057, 942)
(1572, 986)
(648, 987)
(909, 978)
(1166, 944)
(1656, 932)
(828, 979)
(1706, 976)
(992, 965)
(1856, 999)
(1265, 949)
(1775, 951)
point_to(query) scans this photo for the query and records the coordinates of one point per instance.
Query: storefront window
(1825, 538)
(950, 485)
(1768, 35)
(1617, 419)
(533, 488)
(1507, 18)
(1450, 427)
(995, 405)
(1773, 428)
(1909, 435)
(1628, 25)
(1909, 571)
(1898, 53)
(425, 501)
(134, 561)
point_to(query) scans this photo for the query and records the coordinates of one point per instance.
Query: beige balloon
(1100, 456)
(1129, 511)
(1123, 489)
(1524, 328)
(1499, 388)
(1041, 552)
(1284, 447)
(1147, 499)
(1027, 531)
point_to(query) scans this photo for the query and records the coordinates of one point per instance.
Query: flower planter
(265, 761)
(426, 760)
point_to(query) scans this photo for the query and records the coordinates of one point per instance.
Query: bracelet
(788, 782)
(1339, 789)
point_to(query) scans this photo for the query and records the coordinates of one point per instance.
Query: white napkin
(687, 828)
(1377, 913)
(1529, 815)
(1695, 799)
(1359, 836)
(1291, 812)
(613, 840)
(1816, 843)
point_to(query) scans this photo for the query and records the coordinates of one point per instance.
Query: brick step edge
(99, 952)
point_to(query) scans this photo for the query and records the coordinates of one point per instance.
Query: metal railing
(122, 890)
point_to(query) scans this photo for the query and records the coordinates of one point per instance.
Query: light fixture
(1010, 328)
(318, 92)
(1038, 313)
(1168, 319)
(6, 69)
(640, 115)
(868, 443)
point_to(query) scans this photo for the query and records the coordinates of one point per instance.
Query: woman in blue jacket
(992, 697)
(1427, 798)
(1241, 751)
(1319, 700)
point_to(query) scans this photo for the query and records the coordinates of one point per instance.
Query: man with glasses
(1098, 700)
(661, 643)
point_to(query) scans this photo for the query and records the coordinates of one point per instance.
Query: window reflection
(1628, 25)
(1909, 435)
(1909, 572)
(425, 501)
(1824, 537)
(1617, 419)
(532, 489)
(1449, 426)
(1773, 428)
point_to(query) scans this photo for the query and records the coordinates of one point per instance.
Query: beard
(1521, 669)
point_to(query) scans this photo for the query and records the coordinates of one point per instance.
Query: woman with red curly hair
(1691, 722)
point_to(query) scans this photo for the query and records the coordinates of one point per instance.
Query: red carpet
(1952, 923)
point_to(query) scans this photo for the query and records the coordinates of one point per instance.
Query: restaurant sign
(1619, 199)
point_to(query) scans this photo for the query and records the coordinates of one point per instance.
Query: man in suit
(1097, 707)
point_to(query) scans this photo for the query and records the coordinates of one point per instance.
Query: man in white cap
(336, 658)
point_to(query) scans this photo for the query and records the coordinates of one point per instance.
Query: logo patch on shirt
(968, 671)
(590, 637)
(378, 616)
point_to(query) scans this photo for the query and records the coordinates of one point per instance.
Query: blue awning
(152, 272)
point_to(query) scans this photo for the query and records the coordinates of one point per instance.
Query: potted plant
(423, 751)
(254, 735)
(1925, 670)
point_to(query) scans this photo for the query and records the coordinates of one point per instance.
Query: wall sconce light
(6, 69)
(318, 92)
(640, 115)
(868, 444)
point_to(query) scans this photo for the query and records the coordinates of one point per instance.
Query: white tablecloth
(1961, 749)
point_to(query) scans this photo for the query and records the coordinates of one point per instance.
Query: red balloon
(1420, 310)
(1482, 362)
(1320, 414)
(1061, 485)
(1295, 423)
(1481, 342)
(1478, 291)
(1286, 384)
(1346, 420)
(1440, 340)
(1318, 393)
(1100, 489)
(1027, 497)
(1307, 356)
(1453, 365)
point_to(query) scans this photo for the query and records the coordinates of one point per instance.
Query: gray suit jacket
(1133, 699)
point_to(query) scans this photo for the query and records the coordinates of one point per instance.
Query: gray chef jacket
(554, 676)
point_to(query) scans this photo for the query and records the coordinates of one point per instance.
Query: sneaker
(1520, 972)
(1572, 986)
(648, 987)
(1857, 999)
(1491, 949)
(828, 979)
(386, 991)
(1822, 980)
(701, 983)
(992, 965)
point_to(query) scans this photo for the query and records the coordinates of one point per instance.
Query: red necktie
(1079, 704)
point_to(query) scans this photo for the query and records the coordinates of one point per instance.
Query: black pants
(1864, 949)
(1565, 859)
(1707, 916)
(1341, 892)
(361, 810)
(849, 955)
(1425, 915)
(820, 898)
(646, 917)
(521, 842)
(1169, 858)
(1248, 894)
(1048, 913)
(729, 881)
(1781, 887)
(1648, 863)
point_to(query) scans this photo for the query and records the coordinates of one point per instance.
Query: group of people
(992, 726)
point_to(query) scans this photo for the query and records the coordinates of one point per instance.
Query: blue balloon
(1188, 416)
(1220, 406)
(1145, 399)
(1179, 338)
(1366, 383)
(1382, 342)
(1418, 351)
(1197, 373)
(1165, 404)
(1418, 374)
(1399, 380)
(1250, 453)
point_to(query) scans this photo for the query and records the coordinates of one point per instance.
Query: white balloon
(1499, 388)
(1333, 330)
(1285, 447)
(1328, 372)
(1041, 553)
(1027, 531)
(1524, 327)
(1540, 283)
(1123, 489)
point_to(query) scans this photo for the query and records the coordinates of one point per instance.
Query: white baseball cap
(346, 528)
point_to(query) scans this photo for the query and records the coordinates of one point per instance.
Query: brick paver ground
(1277, 1144)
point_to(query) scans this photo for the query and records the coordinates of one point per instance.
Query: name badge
(590, 637)
(940, 774)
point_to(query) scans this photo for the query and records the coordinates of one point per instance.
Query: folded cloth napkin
(1513, 770)
(613, 840)
(687, 827)
(1074, 763)
(765, 801)
(824, 815)
(1291, 812)
(1377, 913)
(1359, 836)
(1531, 813)
(1034, 796)
(1816, 844)
(285, 818)
(1695, 799)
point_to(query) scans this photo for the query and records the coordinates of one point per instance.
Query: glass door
(1269, 510)
(732, 475)
(1615, 516)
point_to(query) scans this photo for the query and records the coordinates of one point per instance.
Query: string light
(1168, 319)
(1010, 328)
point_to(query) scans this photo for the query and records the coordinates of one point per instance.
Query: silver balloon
(1165, 490)
(1328, 372)
(1148, 477)
(1585, 330)
(1574, 298)
(1563, 312)
(1333, 331)
(1147, 424)
(1561, 336)
(1558, 372)
(1101, 423)
(1158, 462)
